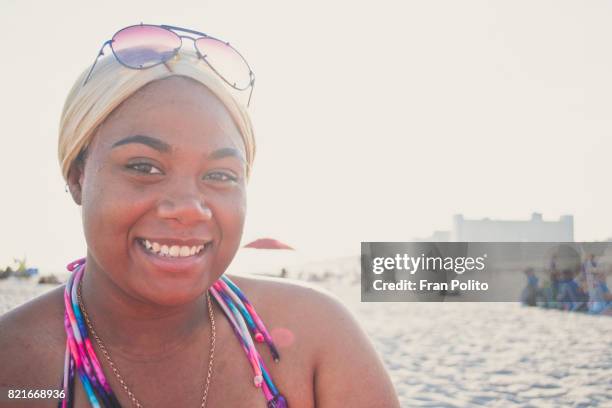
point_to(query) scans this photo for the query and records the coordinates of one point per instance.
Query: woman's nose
(186, 207)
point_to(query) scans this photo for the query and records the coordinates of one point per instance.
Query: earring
(66, 188)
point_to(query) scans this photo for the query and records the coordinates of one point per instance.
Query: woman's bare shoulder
(30, 338)
(346, 368)
(303, 307)
(34, 314)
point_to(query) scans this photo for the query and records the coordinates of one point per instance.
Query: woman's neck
(135, 329)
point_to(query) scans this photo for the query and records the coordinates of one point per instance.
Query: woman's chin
(172, 296)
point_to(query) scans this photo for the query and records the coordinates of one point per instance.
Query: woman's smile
(174, 256)
(173, 249)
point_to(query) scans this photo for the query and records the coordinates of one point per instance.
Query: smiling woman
(158, 157)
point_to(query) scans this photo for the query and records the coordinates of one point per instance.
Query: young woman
(157, 151)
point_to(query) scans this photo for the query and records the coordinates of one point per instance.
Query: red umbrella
(267, 243)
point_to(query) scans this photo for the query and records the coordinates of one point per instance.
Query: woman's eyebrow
(226, 152)
(164, 147)
(152, 142)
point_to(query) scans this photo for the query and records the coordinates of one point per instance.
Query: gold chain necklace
(130, 394)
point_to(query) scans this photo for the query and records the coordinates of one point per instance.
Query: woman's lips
(173, 249)
(174, 258)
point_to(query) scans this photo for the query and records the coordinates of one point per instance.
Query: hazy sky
(374, 121)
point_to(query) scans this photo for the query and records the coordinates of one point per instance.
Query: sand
(469, 354)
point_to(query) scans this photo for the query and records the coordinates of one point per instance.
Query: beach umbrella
(265, 256)
(267, 243)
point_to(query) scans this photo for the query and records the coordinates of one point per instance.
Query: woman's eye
(144, 168)
(221, 176)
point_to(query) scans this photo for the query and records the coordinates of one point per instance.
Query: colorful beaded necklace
(80, 354)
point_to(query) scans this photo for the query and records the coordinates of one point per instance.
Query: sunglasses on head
(145, 45)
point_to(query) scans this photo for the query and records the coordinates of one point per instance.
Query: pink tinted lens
(226, 61)
(144, 46)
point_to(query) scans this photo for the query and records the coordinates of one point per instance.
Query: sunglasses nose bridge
(194, 43)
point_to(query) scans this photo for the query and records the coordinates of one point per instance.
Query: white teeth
(173, 250)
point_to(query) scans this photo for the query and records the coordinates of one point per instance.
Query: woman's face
(163, 192)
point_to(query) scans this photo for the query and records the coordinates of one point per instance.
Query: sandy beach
(490, 354)
(468, 354)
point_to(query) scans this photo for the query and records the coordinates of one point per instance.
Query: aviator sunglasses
(144, 46)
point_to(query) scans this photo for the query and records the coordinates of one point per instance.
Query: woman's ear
(75, 180)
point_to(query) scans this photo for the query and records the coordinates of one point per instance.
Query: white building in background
(487, 230)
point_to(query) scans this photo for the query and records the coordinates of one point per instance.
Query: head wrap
(86, 107)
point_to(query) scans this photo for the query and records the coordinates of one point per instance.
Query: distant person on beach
(600, 299)
(550, 289)
(589, 263)
(570, 295)
(530, 292)
(593, 284)
(560, 290)
(157, 148)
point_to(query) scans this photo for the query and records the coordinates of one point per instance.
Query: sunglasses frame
(173, 29)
